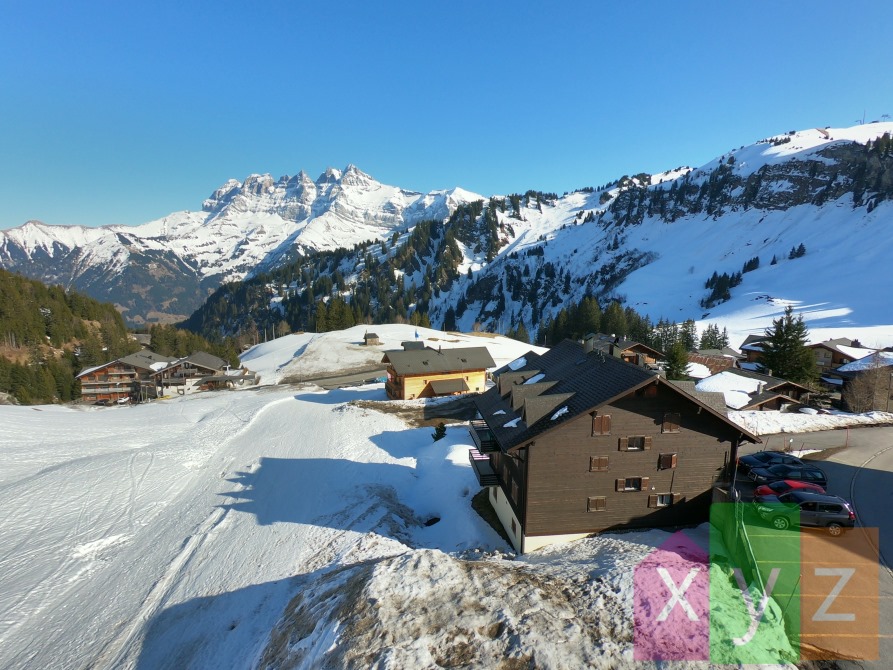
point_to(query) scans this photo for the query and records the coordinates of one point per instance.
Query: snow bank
(771, 422)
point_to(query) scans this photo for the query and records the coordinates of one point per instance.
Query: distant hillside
(47, 335)
(796, 218)
(799, 219)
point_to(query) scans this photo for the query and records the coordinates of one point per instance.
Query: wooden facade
(649, 456)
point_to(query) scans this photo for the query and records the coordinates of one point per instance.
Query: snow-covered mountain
(651, 241)
(165, 269)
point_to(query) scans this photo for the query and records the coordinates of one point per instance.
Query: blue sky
(116, 112)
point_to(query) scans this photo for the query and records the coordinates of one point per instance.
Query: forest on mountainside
(48, 335)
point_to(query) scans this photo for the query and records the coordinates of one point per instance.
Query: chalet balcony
(483, 437)
(480, 463)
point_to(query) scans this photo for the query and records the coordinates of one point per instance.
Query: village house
(576, 441)
(370, 339)
(132, 377)
(627, 350)
(749, 390)
(417, 371)
(146, 375)
(752, 350)
(831, 354)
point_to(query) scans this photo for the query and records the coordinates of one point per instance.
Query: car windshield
(779, 469)
(779, 486)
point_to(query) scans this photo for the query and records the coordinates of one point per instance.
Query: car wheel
(835, 529)
(780, 523)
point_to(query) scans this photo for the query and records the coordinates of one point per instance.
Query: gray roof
(422, 361)
(715, 400)
(205, 360)
(444, 386)
(145, 359)
(567, 377)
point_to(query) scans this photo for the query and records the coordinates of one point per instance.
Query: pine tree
(677, 361)
(786, 353)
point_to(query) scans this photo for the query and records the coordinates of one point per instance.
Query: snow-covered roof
(877, 359)
(736, 389)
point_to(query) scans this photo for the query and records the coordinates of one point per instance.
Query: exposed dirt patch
(825, 454)
(460, 410)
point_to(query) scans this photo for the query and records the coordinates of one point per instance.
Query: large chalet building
(576, 441)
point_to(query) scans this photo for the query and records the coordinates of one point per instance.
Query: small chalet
(370, 339)
(831, 354)
(422, 372)
(627, 350)
(132, 377)
(189, 373)
(749, 390)
(572, 442)
(752, 349)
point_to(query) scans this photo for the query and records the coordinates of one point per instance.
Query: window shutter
(623, 443)
(620, 485)
(667, 461)
(652, 501)
(648, 440)
(671, 422)
(606, 424)
(596, 504)
(645, 481)
(598, 463)
(678, 497)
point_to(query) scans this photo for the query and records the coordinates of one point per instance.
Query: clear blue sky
(120, 112)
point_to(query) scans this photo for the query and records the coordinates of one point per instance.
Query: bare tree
(869, 389)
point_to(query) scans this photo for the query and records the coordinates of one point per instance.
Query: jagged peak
(330, 176)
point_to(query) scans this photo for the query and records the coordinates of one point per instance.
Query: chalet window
(666, 462)
(634, 443)
(596, 504)
(505, 473)
(601, 424)
(514, 527)
(598, 464)
(661, 500)
(515, 492)
(671, 422)
(632, 484)
(649, 391)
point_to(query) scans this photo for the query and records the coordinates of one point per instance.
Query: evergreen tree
(677, 361)
(786, 353)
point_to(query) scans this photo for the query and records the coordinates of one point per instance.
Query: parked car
(785, 485)
(802, 472)
(763, 459)
(806, 508)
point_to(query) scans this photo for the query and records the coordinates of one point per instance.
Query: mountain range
(797, 218)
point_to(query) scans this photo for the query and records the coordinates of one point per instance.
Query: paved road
(861, 472)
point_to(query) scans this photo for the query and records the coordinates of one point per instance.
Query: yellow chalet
(417, 371)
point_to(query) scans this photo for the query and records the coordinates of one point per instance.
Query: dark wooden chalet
(134, 377)
(575, 442)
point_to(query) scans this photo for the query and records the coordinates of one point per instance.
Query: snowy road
(121, 526)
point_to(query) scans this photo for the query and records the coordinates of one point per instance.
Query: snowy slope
(188, 532)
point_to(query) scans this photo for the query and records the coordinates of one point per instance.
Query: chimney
(588, 344)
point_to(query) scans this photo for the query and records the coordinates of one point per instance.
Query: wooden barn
(576, 442)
